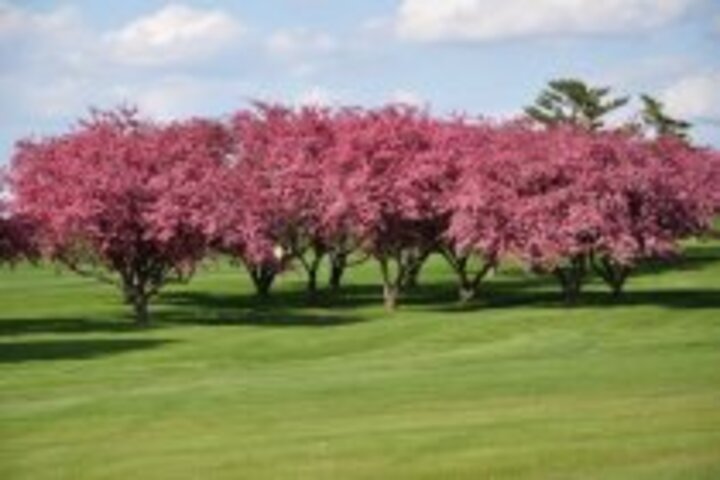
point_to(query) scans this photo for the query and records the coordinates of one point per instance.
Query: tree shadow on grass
(493, 298)
(281, 309)
(517, 288)
(349, 297)
(256, 318)
(17, 352)
(289, 307)
(666, 298)
(25, 326)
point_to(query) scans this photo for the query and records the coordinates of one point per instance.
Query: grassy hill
(515, 386)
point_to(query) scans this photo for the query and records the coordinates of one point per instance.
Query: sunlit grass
(516, 386)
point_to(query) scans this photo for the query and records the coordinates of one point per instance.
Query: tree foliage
(655, 118)
(139, 204)
(123, 199)
(569, 100)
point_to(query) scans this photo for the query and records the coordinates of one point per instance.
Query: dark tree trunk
(127, 295)
(312, 269)
(570, 286)
(468, 284)
(412, 274)
(263, 277)
(135, 294)
(612, 273)
(391, 283)
(312, 281)
(616, 288)
(338, 263)
(571, 278)
(140, 308)
(466, 290)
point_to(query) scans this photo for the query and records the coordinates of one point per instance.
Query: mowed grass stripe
(515, 386)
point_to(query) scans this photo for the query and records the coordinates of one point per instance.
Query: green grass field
(517, 386)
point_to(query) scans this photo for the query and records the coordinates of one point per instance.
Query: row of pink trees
(566, 200)
(139, 204)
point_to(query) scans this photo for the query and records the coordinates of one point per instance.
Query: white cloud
(696, 97)
(484, 20)
(16, 22)
(300, 41)
(175, 33)
(85, 70)
(36, 40)
(36, 46)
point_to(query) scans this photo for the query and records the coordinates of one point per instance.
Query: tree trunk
(612, 273)
(616, 279)
(571, 279)
(616, 288)
(468, 284)
(391, 284)
(338, 263)
(571, 289)
(127, 295)
(390, 297)
(620, 274)
(135, 294)
(312, 269)
(311, 266)
(262, 277)
(140, 308)
(137, 297)
(467, 289)
(263, 284)
(312, 281)
(467, 292)
(412, 278)
(412, 274)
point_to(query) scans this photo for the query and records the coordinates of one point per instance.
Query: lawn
(515, 386)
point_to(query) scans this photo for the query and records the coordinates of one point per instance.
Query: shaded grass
(70, 349)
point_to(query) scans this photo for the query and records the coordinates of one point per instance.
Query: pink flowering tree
(277, 173)
(602, 201)
(382, 195)
(650, 195)
(483, 202)
(339, 184)
(123, 199)
(246, 217)
(556, 213)
(433, 176)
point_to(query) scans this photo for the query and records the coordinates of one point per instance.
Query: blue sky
(489, 57)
